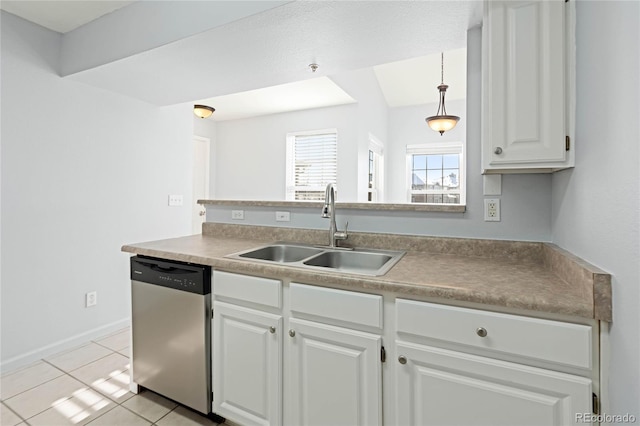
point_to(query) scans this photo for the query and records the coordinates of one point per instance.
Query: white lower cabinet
(300, 355)
(441, 387)
(247, 360)
(335, 375)
(460, 366)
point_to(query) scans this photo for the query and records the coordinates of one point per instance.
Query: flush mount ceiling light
(203, 111)
(441, 122)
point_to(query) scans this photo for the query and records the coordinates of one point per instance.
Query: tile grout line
(65, 373)
(89, 386)
(39, 384)
(10, 409)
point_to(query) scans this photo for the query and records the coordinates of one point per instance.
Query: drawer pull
(481, 331)
(272, 330)
(402, 359)
(292, 332)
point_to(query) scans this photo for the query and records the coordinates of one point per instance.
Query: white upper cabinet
(527, 87)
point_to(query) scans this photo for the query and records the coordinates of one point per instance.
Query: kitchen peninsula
(514, 326)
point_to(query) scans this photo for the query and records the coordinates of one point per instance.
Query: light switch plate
(175, 200)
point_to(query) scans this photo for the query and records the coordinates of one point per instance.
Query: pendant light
(441, 122)
(203, 111)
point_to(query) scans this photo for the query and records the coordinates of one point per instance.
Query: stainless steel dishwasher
(171, 317)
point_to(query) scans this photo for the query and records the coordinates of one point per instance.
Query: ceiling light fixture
(203, 111)
(441, 122)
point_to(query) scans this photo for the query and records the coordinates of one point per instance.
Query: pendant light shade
(441, 122)
(203, 111)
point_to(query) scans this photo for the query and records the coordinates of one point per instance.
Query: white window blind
(312, 163)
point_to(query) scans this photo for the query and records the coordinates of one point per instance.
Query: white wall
(250, 157)
(407, 126)
(596, 206)
(370, 121)
(250, 153)
(525, 199)
(83, 173)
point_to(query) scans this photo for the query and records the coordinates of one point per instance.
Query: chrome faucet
(329, 212)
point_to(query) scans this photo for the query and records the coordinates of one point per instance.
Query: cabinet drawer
(329, 303)
(552, 341)
(263, 291)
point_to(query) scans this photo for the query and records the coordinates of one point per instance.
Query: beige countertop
(533, 276)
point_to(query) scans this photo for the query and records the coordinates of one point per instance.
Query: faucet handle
(342, 235)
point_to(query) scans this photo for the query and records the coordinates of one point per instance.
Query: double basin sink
(371, 262)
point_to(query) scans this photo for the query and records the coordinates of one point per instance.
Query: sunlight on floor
(116, 387)
(82, 404)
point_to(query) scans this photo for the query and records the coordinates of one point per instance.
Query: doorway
(201, 153)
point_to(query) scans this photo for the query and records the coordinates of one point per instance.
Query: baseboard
(62, 345)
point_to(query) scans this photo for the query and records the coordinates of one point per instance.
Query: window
(435, 173)
(312, 163)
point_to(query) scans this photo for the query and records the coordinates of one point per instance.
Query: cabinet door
(523, 84)
(247, 359)
(336, 376)
(441, 387)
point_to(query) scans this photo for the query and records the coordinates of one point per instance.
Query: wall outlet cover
(91, 299)
(237, 214)
(283, 216)
(492, 210)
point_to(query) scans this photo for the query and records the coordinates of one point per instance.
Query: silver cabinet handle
(272, 330)
(498, 151)
(481, 331)
(292, 333)
(402, 359)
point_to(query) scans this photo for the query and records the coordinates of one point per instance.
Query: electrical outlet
(283, 217)
(237, 214)
(492, 210)
(91, 299)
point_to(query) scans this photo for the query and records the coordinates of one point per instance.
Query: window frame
(436, 148)
(375, 164)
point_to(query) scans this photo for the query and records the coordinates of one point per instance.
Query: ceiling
(243, 67)
(61, 16)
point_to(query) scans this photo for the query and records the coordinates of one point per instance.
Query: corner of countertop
(581, 273)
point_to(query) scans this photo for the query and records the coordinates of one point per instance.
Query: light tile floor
(88, 385)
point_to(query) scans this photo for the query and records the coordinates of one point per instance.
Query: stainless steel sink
(281, 253)
(356, 261)
(350, 261)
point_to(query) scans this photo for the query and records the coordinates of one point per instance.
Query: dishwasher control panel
(177, 275)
